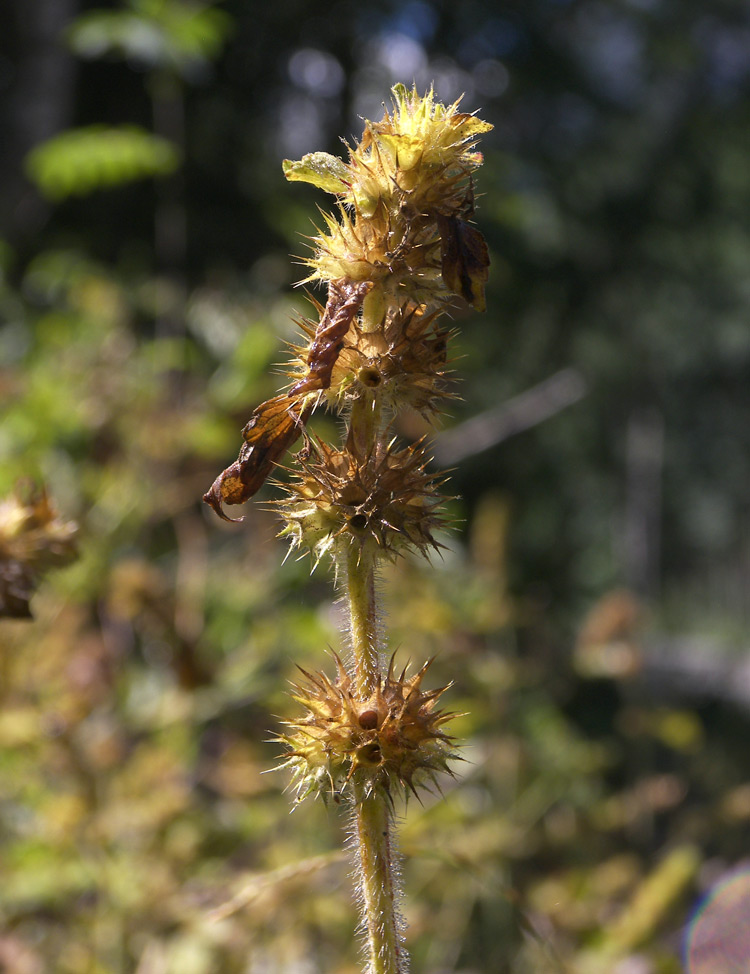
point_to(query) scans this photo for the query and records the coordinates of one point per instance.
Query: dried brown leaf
(272, 429)
(344, 301)
(465, 260)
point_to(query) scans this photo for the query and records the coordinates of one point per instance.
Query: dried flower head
(391, 741)
(33, 539)
(403, 362)
(384, 499)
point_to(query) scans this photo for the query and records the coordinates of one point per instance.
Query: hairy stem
(359, 565)
(359, 581)
(365, 422)
(372, 818)
(378, 886)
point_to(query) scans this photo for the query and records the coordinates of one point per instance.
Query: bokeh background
(592, 607)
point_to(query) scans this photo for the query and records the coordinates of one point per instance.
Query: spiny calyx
(404, 198)
(347, 745)
(402, 362)
(382, 498)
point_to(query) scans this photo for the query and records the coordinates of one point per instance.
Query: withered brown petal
(465, 260)
(344, 301)
(271, 430)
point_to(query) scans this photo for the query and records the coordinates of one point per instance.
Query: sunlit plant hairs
(397, 252)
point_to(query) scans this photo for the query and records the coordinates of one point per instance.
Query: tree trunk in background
(36, 88)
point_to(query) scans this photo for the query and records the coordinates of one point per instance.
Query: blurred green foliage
(80, 161)
(605, 783)
(158, 33)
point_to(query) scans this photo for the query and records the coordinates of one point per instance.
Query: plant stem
(359, 564)
(359, 570)
(372, 816)
(378, 885)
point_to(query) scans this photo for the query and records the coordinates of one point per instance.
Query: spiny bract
(345, 745)
(384, 498)
(408, 169)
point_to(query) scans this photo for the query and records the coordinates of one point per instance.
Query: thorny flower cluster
(394, 256)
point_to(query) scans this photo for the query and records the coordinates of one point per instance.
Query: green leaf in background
(81, 161)
(158, 33)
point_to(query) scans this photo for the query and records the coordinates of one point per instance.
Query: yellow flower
(410, 169)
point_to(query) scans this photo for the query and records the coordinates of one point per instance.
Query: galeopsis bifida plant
(394, 255)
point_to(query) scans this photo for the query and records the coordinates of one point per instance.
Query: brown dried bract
(465, 260)
(344, 301)
(272, 429)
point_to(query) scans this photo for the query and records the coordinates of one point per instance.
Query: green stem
(379, 889)
(358, 562)
(372, 817)
(364, 424)
(359, 570)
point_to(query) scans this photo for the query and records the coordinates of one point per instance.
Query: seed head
(385, 499)
(395, 253)
(391, 741)
(410, 170)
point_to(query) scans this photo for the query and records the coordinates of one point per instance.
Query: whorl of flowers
(384, 499)
(391, 739)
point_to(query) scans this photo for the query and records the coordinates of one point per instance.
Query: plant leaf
(321, 169)
(269, 433)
